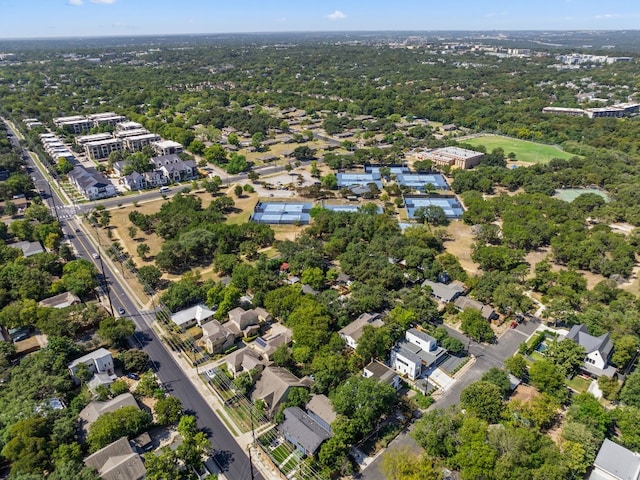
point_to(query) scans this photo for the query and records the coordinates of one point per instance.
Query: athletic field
(525, 151)
(570, 194)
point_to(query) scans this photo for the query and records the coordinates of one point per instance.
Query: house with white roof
(98, 361)
(614, 462)
(417, 351)
(196, 315)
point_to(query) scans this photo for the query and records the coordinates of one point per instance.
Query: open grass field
(525, 150)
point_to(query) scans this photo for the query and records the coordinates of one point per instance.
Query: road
(230, 457)
(486, 356)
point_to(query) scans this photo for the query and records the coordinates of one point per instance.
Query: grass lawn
(537, 356)
(525, 150)
(280, 453)
(579, 384)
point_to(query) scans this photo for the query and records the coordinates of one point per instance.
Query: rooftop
(617, 461)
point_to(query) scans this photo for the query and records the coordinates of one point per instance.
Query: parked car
(133, 376)
(121, 311)
(514, 324)
(95, 255)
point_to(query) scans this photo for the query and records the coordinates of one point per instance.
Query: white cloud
(75, 3)
(608, 15)
(337, 15)
(106, 2)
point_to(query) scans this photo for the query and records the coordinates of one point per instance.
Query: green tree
(168, 410)
(499, 378)
(436, 432)
(566, 355)
(484, 400)
(126, 421)
(134, 360)
(162, 466)
(313, 276)
(149, 276)
(431, 215)
(238, 190)
(474, 325)
(27, 446)
(116, 330)
(402, 464)
(624, 350)
(143, 250)
(195, 444)
(517, 366)
(546, 377)
(630, 393)
(147, 385)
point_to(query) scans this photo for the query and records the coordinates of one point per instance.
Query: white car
(95, 255)
(210, 373)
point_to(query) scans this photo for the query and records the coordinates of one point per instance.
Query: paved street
(229, 455)
(486, 356)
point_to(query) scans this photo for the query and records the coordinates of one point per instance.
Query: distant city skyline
(96, 18)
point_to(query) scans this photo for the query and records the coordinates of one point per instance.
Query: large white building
(455, 157)
(101, 149)
(98, 361)
(415, 352)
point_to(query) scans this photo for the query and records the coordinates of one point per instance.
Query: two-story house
(598, 351)
(417, 351)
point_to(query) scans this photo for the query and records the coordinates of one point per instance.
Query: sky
(82, 18)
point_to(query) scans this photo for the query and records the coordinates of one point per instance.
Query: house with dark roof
(174, 169)
(444, 292)
(614, 462)
(303, 431)
(117, 461)
(89, 414)
(274, 386)
(382, 373)
(463, 302)
(598, 351)
(352, 332)
(267, 345)
(417, 351)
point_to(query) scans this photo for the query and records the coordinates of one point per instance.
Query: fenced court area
(525, 150)
(451, 206)
(282, 213)
(570, 194)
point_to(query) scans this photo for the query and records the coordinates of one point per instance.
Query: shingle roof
(320, 405)
(96, 354)
(274, 384)
(602, 344)
(117, 461)
(304, 429)
(443, 291)
(617, 461)
(354, 329)
(94, 410)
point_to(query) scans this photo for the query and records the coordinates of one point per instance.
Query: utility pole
(253, 435)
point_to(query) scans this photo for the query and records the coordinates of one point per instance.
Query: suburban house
(91, 184)
(274, 385)
(464, 302)
(134, 181)
(598, 351)
(173, 168)
(243, 360)
(196, 315)
(352, 332)
(320, 409)
(303, 431)
(267, 345)
(98, 361)
(167, 147)
(217, 338)
(96, 409)
(243, 323)
(62, 300)
(416, 351)
(382, 373)
(117, 461)
(444, 292)
(28, 248)
(614, 462)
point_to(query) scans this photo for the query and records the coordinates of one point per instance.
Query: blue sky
(69, 18)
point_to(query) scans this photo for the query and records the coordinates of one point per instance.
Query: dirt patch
(461, 239)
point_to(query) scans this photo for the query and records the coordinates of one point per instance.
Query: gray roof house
(352, 332)
(443, 292)
(98, 361)
(464, 302)
(274, 385)
(28, 248)
(117, 461)
(598, 351)
(382, 373)
(62, 300)
(95, 410)
(216, 337)
(244, 360)
(615, 462)
(320, 409)
(303, 431)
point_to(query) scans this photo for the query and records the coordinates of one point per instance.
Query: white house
(198, 314)
(415, 352)
(615, 462)
(598, 351)
(98, 361)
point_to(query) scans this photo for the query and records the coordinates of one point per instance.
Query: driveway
(487, 356)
